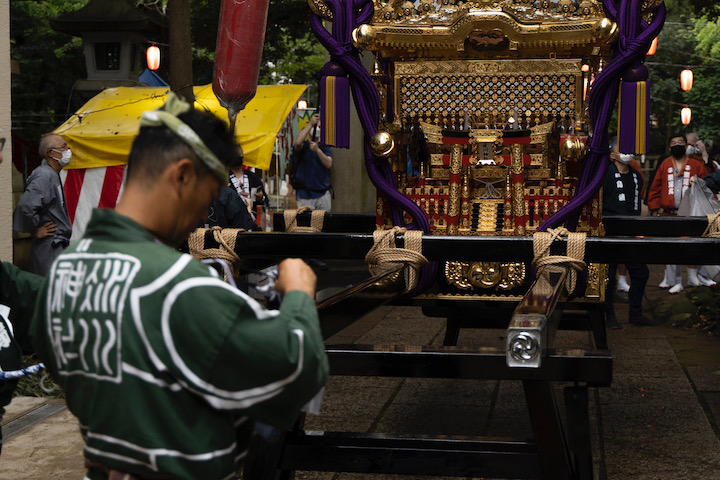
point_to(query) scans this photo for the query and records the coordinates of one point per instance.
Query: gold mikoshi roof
(480, 29)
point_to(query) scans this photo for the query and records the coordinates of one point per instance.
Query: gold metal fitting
(606, 30)
(571, 149)
(382, 144)
(363, 36)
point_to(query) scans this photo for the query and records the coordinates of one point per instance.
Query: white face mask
(626, 158)
(692, 150)
(64, 161)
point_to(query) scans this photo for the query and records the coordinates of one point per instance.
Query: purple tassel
(335, 106)
(634, 111)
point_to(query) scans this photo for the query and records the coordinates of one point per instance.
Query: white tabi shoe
(706, 281)
(668, 277)
(622, 284)
(676, 289)
(693, 280)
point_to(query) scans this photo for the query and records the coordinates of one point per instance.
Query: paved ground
(656, 421)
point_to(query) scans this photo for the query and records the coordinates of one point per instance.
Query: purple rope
(631, 49)
(367, 101)
(601, 102)
(610, 9)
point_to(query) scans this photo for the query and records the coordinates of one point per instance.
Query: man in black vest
(621, 196)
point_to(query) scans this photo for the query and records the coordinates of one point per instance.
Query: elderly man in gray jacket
(42, 210)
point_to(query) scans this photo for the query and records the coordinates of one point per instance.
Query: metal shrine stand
(561, 448)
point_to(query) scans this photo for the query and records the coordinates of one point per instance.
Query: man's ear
(181, 173)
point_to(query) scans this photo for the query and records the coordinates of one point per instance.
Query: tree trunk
(181, 75)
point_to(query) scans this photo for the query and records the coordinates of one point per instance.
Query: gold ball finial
(382, 144)
(571, 149)
(363, 36)
(606, 30)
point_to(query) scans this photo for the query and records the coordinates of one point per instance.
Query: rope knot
(316, 220)
(633, 46)
(384, 254)
(340, 49)
(545, 263)
(225, 237)
(713, 228)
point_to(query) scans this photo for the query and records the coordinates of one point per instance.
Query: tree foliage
(51, 62)
(704, 95)
(710, 9)
(675, 41)
(292, 54)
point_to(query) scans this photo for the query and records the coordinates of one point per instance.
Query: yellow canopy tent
(101, 132)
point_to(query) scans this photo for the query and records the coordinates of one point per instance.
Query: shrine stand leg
(578, 428)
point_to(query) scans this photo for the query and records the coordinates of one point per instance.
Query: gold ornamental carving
(537, 159)
(454, 196)
(488, 135)
(484, 275)
(455, 275)
(444, 12)
(516, 159)
(489, 172)
(518, 200)
(439, 173)
(540, 132)
(484, 67)
(436, 159)
(446, 24)
(513, 275)
(432, 132)
(596, 279)
(538, 174)
(321, 9)
(518, 206)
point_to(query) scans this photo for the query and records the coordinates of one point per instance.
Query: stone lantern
(115, 35)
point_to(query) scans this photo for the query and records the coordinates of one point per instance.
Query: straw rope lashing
(384, 254)
(545, 264)
(316, 220)
(713, 228)
(225, 238)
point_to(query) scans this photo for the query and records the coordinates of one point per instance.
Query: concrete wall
(5, 171)
(354, 192)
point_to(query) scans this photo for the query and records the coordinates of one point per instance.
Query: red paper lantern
(685, 115)
(153, 57)
(585, 69)
(686, 79)
(653, 47)
(238, 52)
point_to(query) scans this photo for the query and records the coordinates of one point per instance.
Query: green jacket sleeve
(262, 363)
(19, 291)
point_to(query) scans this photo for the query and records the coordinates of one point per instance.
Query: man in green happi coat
(18, 291)
(166, 366)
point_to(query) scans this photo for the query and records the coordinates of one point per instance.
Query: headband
(167, 116)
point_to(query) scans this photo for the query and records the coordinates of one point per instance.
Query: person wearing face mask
(668, 187)
(42, 211)
(696, 148)
(622, 196)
